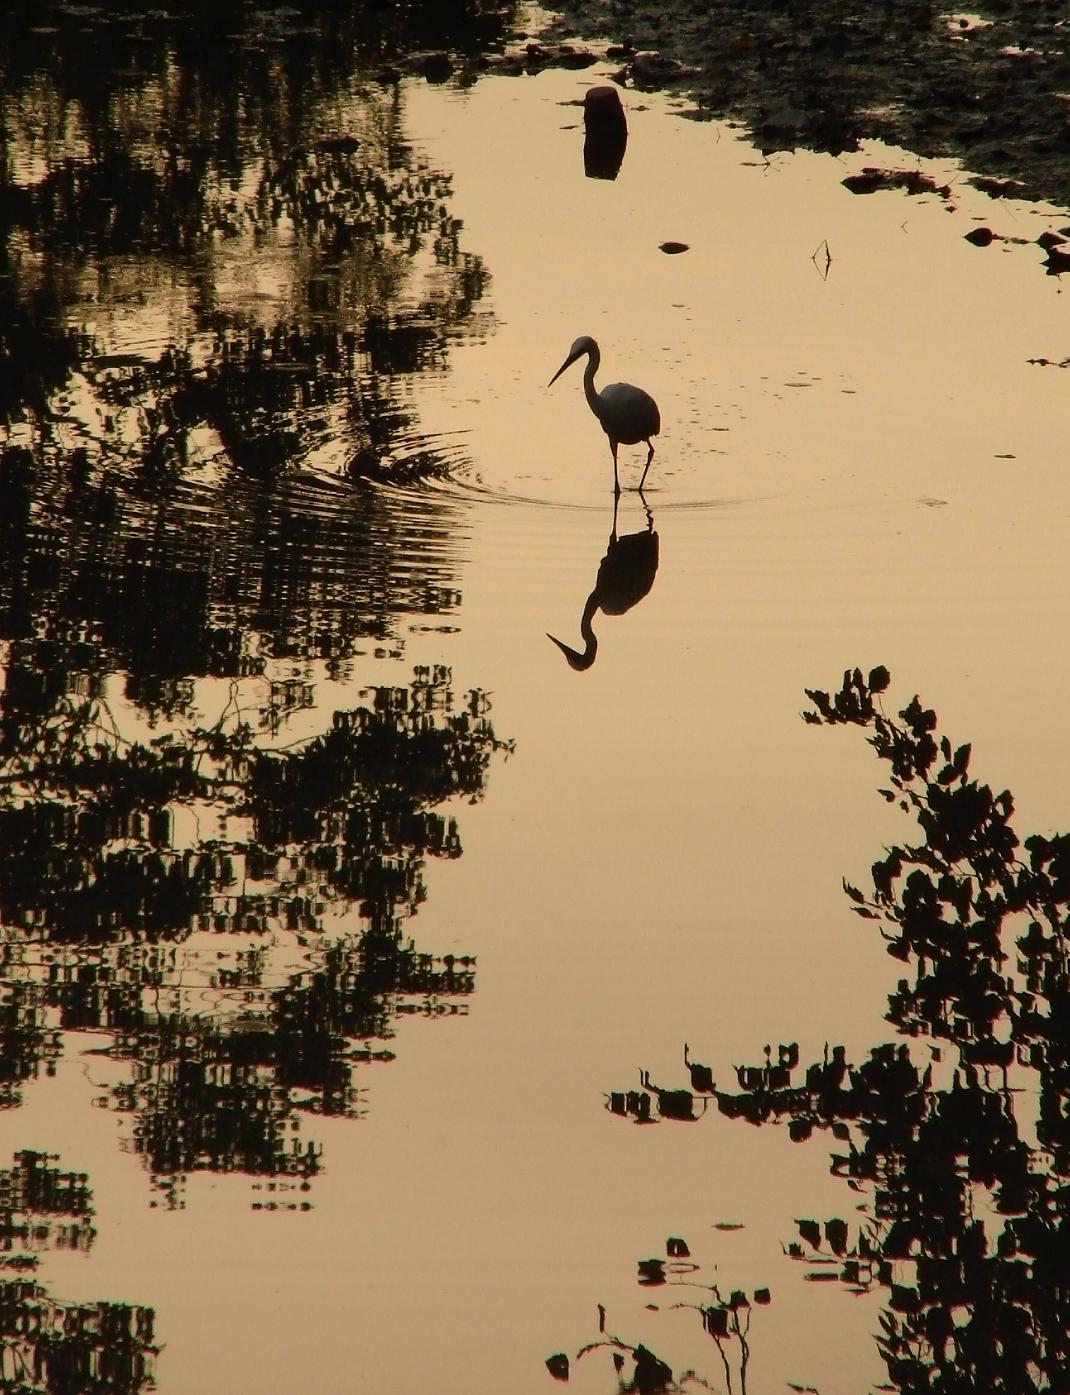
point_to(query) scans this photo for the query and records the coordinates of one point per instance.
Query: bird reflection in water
(626, 413)
(625, 575)
(605, 133)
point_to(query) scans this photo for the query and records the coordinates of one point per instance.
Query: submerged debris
(913, 181)
(534, 57)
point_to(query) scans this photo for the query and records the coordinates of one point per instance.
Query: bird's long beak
(567, 364)
(575, 659)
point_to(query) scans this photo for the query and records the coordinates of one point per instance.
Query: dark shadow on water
(625, 575)
(953, 1140)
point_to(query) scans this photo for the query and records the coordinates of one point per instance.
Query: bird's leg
(616, 480)
(649, 458)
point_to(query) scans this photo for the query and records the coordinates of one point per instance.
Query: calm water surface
(337, 906)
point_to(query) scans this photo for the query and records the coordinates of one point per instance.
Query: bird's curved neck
(594, 358)
(577, 659)
(591, 608)
(590, 639)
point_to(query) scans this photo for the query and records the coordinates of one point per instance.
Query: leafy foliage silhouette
(42, 1207)
(155, 538)
(961, 1161)
(160, 165)
(48, 1345)
(100, 901)
(725, 1319)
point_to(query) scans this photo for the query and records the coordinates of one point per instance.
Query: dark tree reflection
(42, 1208)
(224, 268)
(90, 851)
(218, 246)
(724, 1316)
(118, 856)
(48, 1345)
(958, 1149)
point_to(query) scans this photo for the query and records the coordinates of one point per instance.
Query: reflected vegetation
(223, 269)
(981, 87)
(625, 575)
(49, 1345)
(224, 255)
(42, 1208)
(726, 1320)
(953, 1141)
(121, 855)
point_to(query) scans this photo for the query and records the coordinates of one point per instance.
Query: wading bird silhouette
(628, 414)
(625, 575)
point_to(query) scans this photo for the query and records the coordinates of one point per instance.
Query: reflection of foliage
(87, 817)
(221, 256)
(42, 1207)
(963, 1158)
(89, 45)
(26, 1042)
(267, 208)
(223, 1092)
(726, 1320)
(92, 580)
(969, 1210)
(48, 1346)
(99, 899)
(36, 355)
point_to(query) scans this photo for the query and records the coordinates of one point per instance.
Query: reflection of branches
(726, 1320)
(352, 806)
(370, 282)
(74, 729)
(965, 1202)
(42, 1207)
(953, 897)
(48, 1345)
(649, 1375)
(224, 1060)
(966, 830)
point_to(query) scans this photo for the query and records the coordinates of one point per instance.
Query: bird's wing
(629, 413)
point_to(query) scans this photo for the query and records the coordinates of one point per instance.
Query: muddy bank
(990, 87)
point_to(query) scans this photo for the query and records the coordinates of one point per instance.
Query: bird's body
(627, 414)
